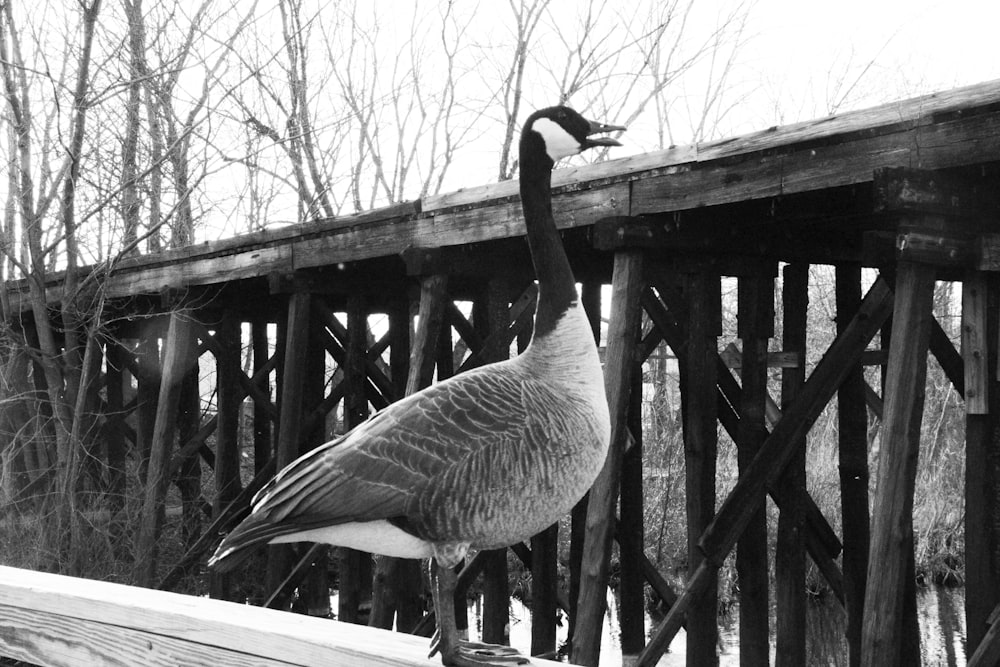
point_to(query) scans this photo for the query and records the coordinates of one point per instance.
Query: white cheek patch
(558, 142)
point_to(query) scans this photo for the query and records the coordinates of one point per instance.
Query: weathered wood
(175, 363)
(790, 563)
(774, 455)
(892, 530)
(114, 433)
(57, 620)
(852, 420)
(756, 321)
(627, 283)
(980, 337)
(699, 405)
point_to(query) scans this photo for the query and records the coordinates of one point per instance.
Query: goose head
(563, 132)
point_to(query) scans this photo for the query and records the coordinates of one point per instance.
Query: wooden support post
(147, 394)
(227, 454)
(790, 559)
(852, 419)
(175, 361)
(623, 332)
(698, 392)
(755, 327)
(353, 580)
(591, 300)
(261, 419)
(189, 470)
(980, 338)
(779, 448)
(892, 531)
(296, 333)
(314, 590)
(631, 588)
(490, 313)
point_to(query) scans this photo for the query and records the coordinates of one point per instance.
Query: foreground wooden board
(50, 619)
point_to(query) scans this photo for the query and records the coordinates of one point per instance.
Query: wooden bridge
(909, 189)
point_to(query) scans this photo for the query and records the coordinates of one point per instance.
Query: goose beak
(596, 128)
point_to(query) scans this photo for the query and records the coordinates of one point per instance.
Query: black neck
(556, 286)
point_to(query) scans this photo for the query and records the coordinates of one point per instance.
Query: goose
(482, 460)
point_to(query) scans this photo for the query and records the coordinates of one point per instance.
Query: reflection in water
(940, 610)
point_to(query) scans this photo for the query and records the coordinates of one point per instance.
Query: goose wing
(382, 468)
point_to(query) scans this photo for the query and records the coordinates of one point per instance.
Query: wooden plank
(774, 455)
(892, 529)
(57, 620)
(623, 331)
(852, 420)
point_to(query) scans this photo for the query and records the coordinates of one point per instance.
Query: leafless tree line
(133, 126)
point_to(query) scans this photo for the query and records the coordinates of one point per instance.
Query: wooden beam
(755, 327)
(892, 530)
(790, 562)
(852, 420)
(699, 368)
(296, 337)
(175, 362)
(623, 331)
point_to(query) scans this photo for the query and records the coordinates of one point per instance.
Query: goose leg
(454, 651)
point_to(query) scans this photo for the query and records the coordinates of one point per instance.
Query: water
(940, 611)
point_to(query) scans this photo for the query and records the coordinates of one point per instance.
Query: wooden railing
(49, 619)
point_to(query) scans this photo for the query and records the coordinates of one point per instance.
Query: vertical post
(351, 563)
(261, 419)
(631, 589)
(790, 560)
(397, 582)
(147, 396)
(703, 292)
(314, 591)
(756, 318)
(296, 333)
(980, 338)
(591, 300)
(852, 418)
(491, 313)
(189, 475)
(227, 455)
(623, 328)
(174, 367)
(892, 531)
